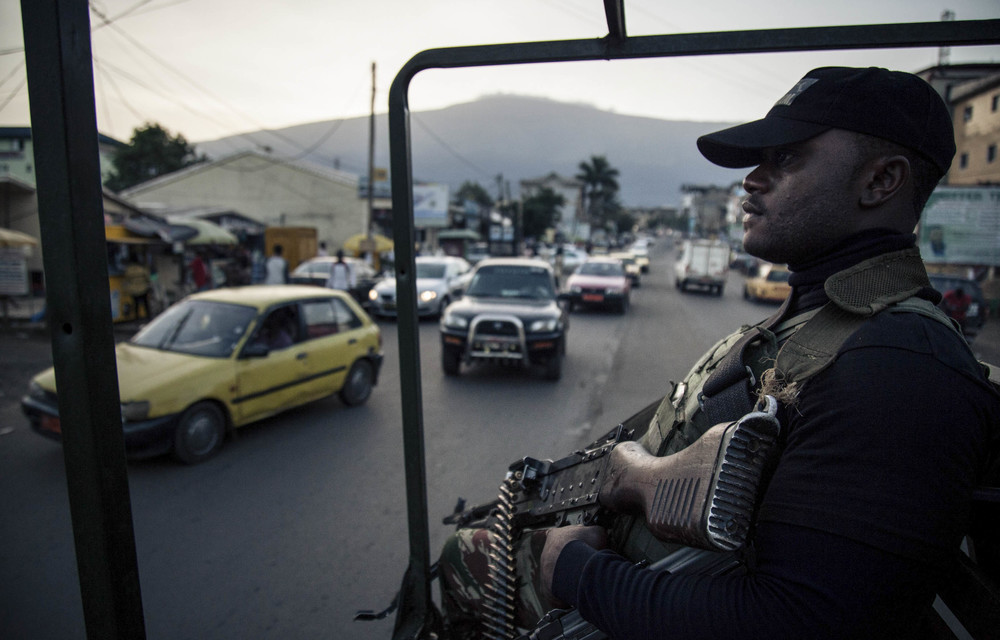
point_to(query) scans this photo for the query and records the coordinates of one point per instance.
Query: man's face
(802, 199)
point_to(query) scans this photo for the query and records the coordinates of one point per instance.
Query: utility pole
(371, 171)
(944, 53)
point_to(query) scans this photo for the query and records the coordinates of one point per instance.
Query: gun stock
(703, 496)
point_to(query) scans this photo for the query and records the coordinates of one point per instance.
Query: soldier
(870, 497)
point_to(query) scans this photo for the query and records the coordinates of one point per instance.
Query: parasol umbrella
(382, 243)
(207, 232)
(11, 238)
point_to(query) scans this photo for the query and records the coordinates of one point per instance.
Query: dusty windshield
(601, 269)
(512, 282)
(197, 327)
(431, 270)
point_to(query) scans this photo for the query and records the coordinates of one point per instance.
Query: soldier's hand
(555, 540)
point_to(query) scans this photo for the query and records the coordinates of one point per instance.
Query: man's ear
(885, 178)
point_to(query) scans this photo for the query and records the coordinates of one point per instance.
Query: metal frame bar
(416, 605)
(60, 76)
(71, 216)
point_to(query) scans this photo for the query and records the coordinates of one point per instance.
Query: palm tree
(600, 186)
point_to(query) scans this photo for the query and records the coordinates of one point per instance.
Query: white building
(266, 188)
(571, 221)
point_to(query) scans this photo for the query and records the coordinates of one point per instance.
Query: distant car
(975, 316)
(600, 281)
(477, 252)
(770, 284)
(572, 258)
(509, 314)
(221, 359)
(440, 279)
(316, 271)
(632, 267)
(641, 253)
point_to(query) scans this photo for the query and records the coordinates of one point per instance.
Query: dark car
(510, 314)
(316, 271)
(975, 316)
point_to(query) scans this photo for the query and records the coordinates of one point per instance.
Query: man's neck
(807, 279)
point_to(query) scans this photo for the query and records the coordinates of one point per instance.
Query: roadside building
(267, 189)
(976, 112)
(571, 222)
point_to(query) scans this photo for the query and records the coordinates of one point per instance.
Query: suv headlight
(544, 325)
(428, 295)
(454, 321)
(372, 295)
(135, 411)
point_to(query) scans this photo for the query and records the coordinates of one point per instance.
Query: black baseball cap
(893, 105)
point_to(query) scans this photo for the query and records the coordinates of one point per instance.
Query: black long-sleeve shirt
(866, 506)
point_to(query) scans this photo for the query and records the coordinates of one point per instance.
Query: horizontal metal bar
(880, 36)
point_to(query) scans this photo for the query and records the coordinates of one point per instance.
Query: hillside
(518, 137)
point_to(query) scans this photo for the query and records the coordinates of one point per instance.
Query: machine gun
(703, 496)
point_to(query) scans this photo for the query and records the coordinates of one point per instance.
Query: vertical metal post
(70, 209)
(415, 603)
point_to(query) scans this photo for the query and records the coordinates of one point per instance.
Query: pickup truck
(702, 263)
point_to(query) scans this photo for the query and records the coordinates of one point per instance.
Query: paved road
(301, 519)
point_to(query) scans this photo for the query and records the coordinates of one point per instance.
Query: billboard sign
(961, 225)
(13, 272)
(430, 205)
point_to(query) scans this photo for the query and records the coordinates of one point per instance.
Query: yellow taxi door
(335, 342)
(271, 375)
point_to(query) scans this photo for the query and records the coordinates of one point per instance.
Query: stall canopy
(206, 232)
(11, 238)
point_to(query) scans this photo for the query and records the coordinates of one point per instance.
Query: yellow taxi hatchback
(770, 284)
(221, 359)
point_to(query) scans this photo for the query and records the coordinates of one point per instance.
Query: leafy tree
(539, 212)
(625, 222)
(600, 187)
(475, 192)
(151, 152)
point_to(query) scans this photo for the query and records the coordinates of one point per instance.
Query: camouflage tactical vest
(776, 356)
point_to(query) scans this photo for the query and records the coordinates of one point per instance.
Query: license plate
(51, 423)
(593, 297)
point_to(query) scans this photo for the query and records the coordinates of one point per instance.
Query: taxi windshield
(197, 327)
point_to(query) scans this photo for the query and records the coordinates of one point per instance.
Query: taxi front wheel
(200, 433)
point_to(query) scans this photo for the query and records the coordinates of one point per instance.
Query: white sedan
(440, 279)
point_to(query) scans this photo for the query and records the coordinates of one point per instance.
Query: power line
(449, 149)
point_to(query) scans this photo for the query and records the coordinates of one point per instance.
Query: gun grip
(702, 496)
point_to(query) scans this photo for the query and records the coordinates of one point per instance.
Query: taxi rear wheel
(200, 433)
(358, 385)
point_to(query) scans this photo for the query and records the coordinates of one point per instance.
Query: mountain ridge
(517, 136)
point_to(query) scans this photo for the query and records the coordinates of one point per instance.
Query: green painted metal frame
(415, 611)
(60, 81)
(71, 215)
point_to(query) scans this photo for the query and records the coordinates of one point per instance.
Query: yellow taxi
(632, 267)
(770, 284)
(221, 359)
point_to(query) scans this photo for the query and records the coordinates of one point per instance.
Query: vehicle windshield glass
(509, 281)
(430, 270)
(313, 269)
(601, 269)
(778, 275)
(197, 327)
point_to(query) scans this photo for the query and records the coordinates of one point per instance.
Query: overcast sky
(211, 68)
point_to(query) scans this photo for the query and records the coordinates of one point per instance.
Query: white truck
(702, 263)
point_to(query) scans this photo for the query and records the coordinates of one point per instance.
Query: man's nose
(755, 181)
